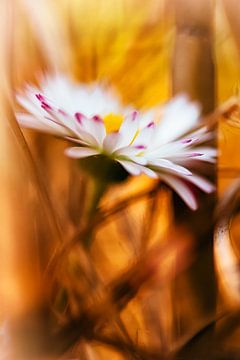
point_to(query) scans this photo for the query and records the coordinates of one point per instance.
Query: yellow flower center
(112, 122)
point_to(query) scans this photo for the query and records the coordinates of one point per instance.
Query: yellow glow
(112, 122)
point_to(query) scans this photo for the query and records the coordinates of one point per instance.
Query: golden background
(131, 44)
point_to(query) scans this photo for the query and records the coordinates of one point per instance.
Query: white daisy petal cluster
(159, 148)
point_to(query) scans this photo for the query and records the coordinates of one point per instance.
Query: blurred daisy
(94, 119)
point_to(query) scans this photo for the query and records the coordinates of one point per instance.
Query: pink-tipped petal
(46, 106)
(129, 128)
(97, 118)
(93, 126)
(29, 102)
(145, 136)
(40, 97)
(208, 152)
(78, 116)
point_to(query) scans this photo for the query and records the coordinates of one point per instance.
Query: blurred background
(159, 282)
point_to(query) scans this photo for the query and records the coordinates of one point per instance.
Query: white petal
(181, 189)
(202, 134)
(150, 172)
(80, 152)
(206, 159)
(169, 165)
(198, 154)
(88, 138)
(90, 99)
(51, 111)
(136, 169)
(166, 150)
(94, 126)
(145, 136)
(150, 115)
(141, 160)
(78, 141)
(65, 119)
(97, 129)
(195, 154)
(202, 183)
(129, 128)
(127, 151)
(111, 142)
(41, 124)
(131, 167)
(133, 153)
(30, 103)
(208, 151)
(179, 117)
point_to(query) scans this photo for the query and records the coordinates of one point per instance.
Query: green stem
(98, 189)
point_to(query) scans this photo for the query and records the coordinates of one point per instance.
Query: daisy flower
(99, 126)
